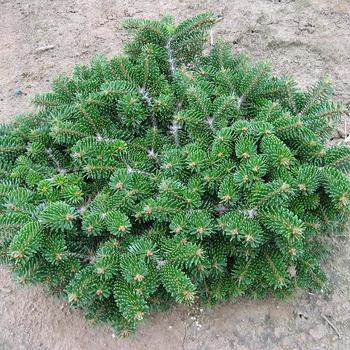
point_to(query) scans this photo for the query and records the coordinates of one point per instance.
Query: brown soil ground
(304, 38)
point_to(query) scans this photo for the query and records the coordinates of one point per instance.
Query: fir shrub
(166, 175)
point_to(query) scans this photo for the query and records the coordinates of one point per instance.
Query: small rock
(44, 48)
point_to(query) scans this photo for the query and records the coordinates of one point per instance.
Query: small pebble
(44, 48)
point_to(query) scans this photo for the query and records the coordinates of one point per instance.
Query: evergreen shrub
(172, 174)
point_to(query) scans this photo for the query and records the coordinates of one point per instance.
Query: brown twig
(331, 325)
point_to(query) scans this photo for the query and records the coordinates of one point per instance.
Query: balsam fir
(166, 175)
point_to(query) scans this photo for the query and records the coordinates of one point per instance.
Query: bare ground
(304, 38)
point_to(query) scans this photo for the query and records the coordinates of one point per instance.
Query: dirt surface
(304, 38)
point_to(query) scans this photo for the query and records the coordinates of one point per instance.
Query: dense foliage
(168, 175)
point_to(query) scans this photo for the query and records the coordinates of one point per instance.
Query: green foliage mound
(168, 175)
